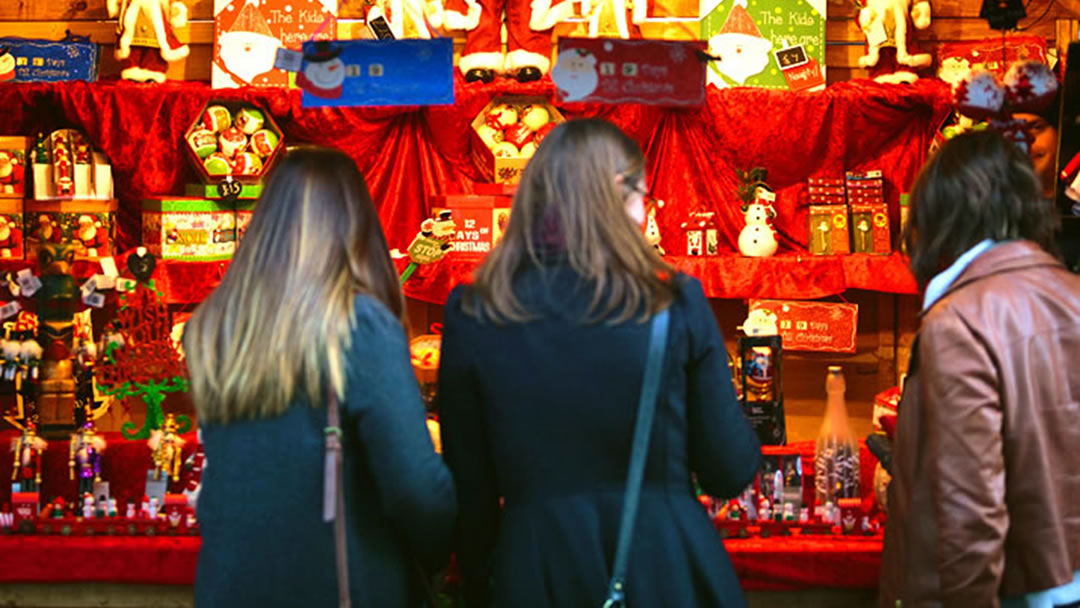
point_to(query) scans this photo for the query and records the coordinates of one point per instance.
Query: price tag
(10, 309)
(28, 283)
(104, 282)
(288, 60)
(94, 299)
(108, 266)
(229, 190)
(123, 285)
(88, 287)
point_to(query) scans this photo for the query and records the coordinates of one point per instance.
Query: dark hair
(978, 186)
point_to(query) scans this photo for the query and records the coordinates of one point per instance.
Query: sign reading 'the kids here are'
(774, 44)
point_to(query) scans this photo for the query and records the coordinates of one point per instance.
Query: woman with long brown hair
(541, 372)
(310, 310)
(983, 506)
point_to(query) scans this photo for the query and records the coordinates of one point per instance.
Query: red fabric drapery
(410, 155)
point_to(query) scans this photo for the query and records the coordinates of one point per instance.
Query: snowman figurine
(758, 238)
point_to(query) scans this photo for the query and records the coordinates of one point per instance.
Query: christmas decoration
(137, 357)
(26, 470)
(65, 167)
(885, 23)
(775, 44)
(758, 238)
(248, 34)
(146, 38)
(85, 224)
(11, 229)
(431, 243)
(507, 132)
(652, 228)
(165, 445)
(194, 467)
(232, 145)
(191, 229)
(13, 167)
(528, 27)
(84, 455)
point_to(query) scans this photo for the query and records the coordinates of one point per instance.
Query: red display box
(479, 220)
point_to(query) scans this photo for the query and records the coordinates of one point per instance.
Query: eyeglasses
(637, 188)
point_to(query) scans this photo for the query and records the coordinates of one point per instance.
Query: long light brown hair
(572, 199)
(278, 325)
(977, 186)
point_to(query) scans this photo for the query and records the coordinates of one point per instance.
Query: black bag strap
(650, 387)
(334, 494)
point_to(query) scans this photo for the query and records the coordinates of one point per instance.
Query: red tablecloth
(781, 564)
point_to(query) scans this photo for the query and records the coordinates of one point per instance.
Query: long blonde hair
(570, 199)
(279, 324)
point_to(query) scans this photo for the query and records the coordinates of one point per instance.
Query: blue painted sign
(27, 60)
(377, 73)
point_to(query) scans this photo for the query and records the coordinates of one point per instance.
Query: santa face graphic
(248, 54)
(743, 52)
(575, 74)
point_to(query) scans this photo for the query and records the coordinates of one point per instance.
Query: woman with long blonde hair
(311, 309)
(541, 374)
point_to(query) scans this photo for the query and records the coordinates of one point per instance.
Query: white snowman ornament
(758, 238)
(324, 71)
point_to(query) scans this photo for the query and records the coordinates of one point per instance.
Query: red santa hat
(739, 21)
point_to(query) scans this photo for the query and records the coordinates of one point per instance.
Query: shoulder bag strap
(642, 430)
(334, 494)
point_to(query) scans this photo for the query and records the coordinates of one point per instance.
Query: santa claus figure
(146, 43)
(92, 236)
(48, 230)
(11, 173)
(528, 36)
(10, 238)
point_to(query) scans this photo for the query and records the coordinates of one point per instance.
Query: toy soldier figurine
(165, 446)
(84, 455)
(28, 448)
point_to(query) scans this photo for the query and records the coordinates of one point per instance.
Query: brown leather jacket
(985, 498)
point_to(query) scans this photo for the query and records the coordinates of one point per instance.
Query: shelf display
(13, 166)
(66, 167)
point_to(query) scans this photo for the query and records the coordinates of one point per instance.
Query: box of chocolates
(506, 133)
(192, 229)
(232, 146)
(828, 230)
(87, 224)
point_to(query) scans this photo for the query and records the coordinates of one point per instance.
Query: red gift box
(826, 181)
(827, 190)
(24, 505)
(478, 220)
(827, 199)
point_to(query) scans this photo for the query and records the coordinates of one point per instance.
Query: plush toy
(528, 35)
(146, 42)
(885, 24)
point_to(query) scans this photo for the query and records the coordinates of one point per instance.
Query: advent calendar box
(478, 219)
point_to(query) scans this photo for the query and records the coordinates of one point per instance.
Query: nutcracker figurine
(84, 455)
(165, 446)
(28, 448)
(58, 300)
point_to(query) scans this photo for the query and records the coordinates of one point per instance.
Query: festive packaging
(829, 230)
(477, 219)
(870, 228)
(11, 229)
(701, 234)
(13, 172)
(232, 146)
(885, 404)
(506, 134)
(88, 224)
(65, 166)
(192, 229)
(244, 212)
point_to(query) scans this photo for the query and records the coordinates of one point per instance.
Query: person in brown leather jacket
(984, 505)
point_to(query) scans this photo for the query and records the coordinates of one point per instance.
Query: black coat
(542, 415)
(264, 541)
